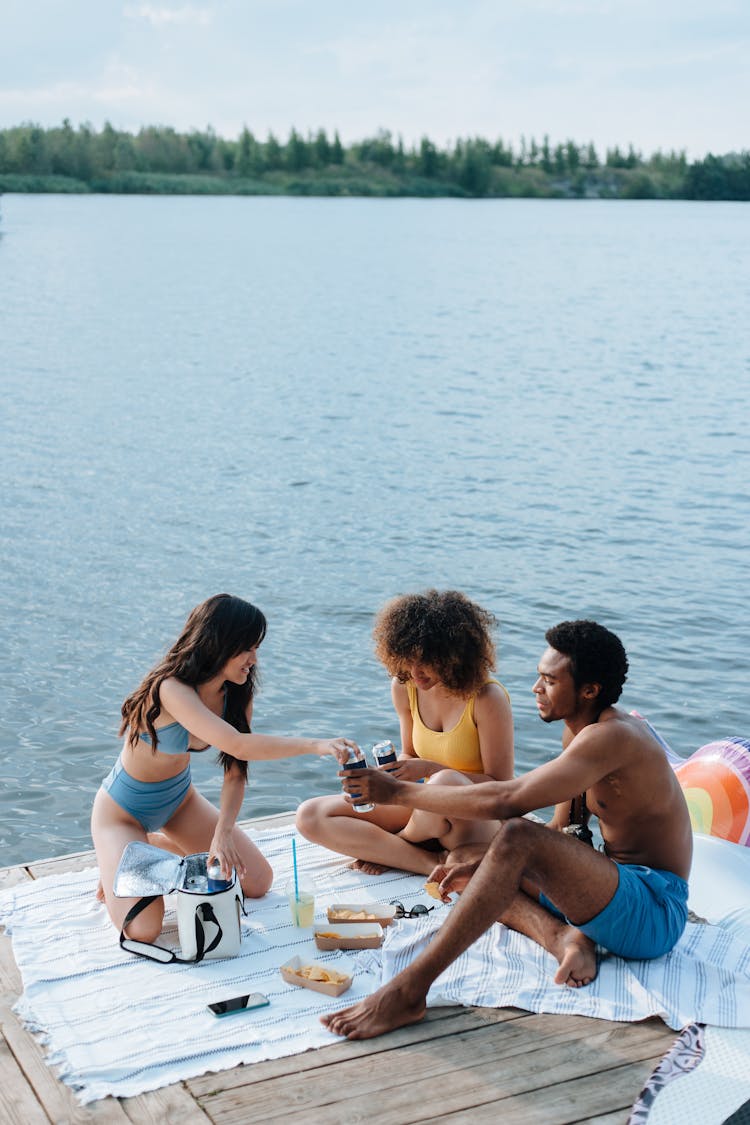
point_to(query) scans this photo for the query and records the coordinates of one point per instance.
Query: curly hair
(443, 630)
(596, 656)
(216, 630)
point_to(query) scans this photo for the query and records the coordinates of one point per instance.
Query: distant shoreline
(614, 186)
(159, 161)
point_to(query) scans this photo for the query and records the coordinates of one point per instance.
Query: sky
(657, 74)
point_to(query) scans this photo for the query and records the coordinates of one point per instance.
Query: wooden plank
(172, 1105)
(58, 1100)
(484, 1066)
(563, 1103)
(18, 1102)
(76, 862)
(619, 1117)
(11, 984)
(438, 1023)
(12, 876)
(404, 1069)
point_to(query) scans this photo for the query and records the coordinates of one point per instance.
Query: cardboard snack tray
(375, 912)
(326, 987)
(349, 935)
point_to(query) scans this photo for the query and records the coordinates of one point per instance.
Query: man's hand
(378, 786)
(452, 878)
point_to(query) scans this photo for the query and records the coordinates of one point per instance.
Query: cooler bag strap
(204, 913)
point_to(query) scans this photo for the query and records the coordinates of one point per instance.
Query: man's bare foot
(577, 956)
(367, 867)
(385, 1010)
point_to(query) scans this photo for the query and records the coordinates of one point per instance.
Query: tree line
(160, 159)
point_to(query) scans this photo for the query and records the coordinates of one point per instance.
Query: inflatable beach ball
(716, 784)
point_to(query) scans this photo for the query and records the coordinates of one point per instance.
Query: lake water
(316, 404)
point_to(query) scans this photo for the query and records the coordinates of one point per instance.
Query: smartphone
(239, 1004)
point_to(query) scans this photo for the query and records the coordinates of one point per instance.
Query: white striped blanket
(117, 1024)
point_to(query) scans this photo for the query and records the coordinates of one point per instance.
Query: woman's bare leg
(372, 838)
(192, 828)
(112, 829)
(451, 832)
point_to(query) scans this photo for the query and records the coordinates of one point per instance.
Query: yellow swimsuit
(456, 749)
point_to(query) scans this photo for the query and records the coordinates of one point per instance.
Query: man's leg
(579, 880)
(575, 953)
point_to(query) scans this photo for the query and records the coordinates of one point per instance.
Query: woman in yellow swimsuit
(456, 729)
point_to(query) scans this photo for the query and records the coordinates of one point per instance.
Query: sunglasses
(416, 911)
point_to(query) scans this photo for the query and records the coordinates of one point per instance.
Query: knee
(512, 835)
(308, 818)
(257, 882)
(448, 777)
(147, 926)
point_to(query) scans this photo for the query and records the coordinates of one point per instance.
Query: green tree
(297, 156)
(321, 149)
(104, 148)
(475, 169)
(591, 159)
(124, 155)
(337, 149)
(572, 156)
(273, 153)
(546, 156)
(31, 150)
(502, 156)
(246, 159)
(428, 161)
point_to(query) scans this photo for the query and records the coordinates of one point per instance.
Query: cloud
(160, 16)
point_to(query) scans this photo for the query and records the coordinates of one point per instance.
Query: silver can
(385, 754)
(357, 761)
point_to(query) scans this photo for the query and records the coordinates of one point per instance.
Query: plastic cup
(301, 901)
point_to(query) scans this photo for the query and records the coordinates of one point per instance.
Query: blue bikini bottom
(151, 803)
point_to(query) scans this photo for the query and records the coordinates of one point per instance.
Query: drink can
(384, 754)
(216, 881)
(357, 761)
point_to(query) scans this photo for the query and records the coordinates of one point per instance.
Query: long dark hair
(216, 630)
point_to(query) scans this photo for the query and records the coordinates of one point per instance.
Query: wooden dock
(458, 1065)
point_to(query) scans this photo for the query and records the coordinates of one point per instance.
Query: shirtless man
(631, 898)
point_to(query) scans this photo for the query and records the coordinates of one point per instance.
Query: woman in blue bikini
(200, 695)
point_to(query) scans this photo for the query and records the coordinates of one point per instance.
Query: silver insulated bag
(208, 920)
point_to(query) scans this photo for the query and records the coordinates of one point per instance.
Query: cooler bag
(208, 921)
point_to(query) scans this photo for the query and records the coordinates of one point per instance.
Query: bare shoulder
(619, 737)
(174, 689)
(491, 699)
(399, 695)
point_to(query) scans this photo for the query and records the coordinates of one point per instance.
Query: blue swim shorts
(645, 916)
(151, 803)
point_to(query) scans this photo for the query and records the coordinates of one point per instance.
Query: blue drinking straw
(294, 865)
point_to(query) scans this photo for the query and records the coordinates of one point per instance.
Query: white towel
(705, 978)
(117, 1024)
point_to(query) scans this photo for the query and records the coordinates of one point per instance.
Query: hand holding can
(357, 761)
(385, 755)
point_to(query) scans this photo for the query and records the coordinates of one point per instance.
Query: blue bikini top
(174, 737)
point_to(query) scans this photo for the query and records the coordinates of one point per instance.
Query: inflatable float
(716, 783)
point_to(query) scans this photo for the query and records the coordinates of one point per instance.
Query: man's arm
(589, 757)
